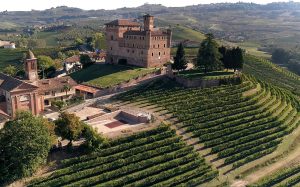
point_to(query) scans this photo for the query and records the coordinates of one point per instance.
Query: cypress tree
(180, 62)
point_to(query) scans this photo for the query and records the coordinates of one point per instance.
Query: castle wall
(139, 48)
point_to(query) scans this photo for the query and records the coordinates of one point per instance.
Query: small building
(87, 92)
(60, 88)
(129, 43)
(72, 64)
(9, 46)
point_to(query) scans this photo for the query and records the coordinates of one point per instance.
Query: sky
(15, 5)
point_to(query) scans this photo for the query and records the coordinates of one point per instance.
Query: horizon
(114, 4)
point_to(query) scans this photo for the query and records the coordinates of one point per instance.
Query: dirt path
(291, 159)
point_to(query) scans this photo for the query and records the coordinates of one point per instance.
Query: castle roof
(123, 22)
(9, 83)
(30, 55)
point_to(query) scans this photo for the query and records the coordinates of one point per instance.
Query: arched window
(158, 53)
(158, 45)
(164, 45)
(152, 54)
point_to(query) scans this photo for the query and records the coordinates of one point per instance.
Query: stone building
(129, 43)
(32, 94)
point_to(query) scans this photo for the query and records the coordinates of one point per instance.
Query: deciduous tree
(24, 146)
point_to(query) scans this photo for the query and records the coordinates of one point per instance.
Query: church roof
(30, 55)
(9, 83)
(123, 22)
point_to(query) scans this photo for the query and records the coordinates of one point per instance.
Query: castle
(128, 43)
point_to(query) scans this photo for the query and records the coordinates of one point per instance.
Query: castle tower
(30, 64)
(148, 22)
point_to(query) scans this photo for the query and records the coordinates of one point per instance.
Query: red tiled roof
(123, 22)
(86, 88)
(73, 59)
(55, 83)
(9, 83)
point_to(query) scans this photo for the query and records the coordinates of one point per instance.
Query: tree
(44, 62)
(24, 145)
(93, 140)
(66, 88)
(237, 58)
(10, 70)
(85, 60)
(78, 41)
(280, 56)
(209, 56)
(97, 40)
(68, 126)
(180, 62)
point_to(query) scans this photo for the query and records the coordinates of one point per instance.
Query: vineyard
(230, 125)
(156, 157)
(282, 178)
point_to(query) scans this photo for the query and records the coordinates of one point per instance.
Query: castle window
(132, 45)
(164, 53)
(127, 50)
(164, 45)
(158, 45)
(158, 53)
(152, 54)
(112, 37)
(32, 65)
(143, 38)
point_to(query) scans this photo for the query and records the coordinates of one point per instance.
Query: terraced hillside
(156, 157)
(267, 71)
(231, 125)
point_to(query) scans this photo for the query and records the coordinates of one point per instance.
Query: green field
(184, 33)
(11, 57)
(49, 37)
(105, 75)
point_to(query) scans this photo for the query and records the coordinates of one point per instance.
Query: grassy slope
(49, 37)
(10, 57)
(104, 75)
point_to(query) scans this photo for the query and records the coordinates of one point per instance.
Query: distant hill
(268, 24)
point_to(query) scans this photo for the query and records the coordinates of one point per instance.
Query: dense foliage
(209, 57)
(24, 146)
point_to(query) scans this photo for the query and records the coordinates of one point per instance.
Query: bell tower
(31, 67)
(148, 22)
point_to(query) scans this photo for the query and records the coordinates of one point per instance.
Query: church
(129, 43)
(31, 93)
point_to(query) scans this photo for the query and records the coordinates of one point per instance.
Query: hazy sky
(107, 4)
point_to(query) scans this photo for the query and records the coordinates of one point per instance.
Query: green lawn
(11, 57)
(106, 75)
(209, 75)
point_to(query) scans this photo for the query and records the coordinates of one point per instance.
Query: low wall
(131, 118)
(206, 83)
(127, 85)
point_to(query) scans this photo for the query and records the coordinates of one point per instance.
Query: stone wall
(204, 83)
